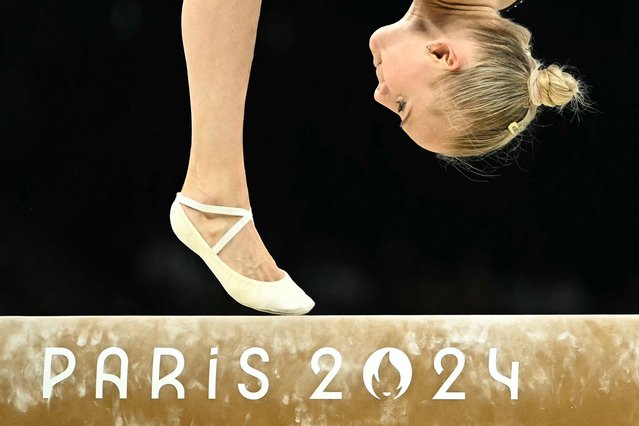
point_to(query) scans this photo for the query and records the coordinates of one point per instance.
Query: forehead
(427, 138)
(426, 124)
(428, 127)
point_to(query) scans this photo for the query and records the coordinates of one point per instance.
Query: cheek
(400, 69)
(395, 76)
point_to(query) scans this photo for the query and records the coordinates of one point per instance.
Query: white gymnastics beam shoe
(274, 297)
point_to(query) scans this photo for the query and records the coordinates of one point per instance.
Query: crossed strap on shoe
(245, 217)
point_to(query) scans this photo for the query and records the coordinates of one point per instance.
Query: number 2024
(442, 393)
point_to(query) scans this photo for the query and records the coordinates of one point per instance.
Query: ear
(445, 55)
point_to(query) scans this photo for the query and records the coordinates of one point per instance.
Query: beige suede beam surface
(320, 370)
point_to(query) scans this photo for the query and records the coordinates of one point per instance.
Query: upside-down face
(409, 56)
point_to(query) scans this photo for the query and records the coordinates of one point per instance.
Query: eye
(401, 104)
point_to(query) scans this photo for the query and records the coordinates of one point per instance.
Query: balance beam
(320, 370)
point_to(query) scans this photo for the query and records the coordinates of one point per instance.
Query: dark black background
(95, 134)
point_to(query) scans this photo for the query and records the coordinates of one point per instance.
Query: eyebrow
(403, 123)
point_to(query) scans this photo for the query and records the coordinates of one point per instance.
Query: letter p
(47, 381)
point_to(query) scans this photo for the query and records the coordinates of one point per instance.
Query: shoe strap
(228, 211)
(245, 217)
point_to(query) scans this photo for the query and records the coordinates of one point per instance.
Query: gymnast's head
(462, 78)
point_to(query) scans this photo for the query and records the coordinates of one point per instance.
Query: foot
(245, 253)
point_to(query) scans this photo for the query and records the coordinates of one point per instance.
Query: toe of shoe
(290, 301)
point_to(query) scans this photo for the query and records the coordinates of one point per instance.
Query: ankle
(218, 197)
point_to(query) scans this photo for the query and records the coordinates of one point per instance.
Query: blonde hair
(491, 102)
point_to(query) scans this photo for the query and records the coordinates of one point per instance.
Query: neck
(470, 8)
(448, 16)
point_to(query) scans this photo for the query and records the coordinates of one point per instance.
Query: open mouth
(379, 74)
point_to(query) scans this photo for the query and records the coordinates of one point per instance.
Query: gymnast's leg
(219, 40)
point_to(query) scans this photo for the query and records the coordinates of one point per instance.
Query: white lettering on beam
(513, 382)
(398, 359)
(253, 372)
(169, 379)
(319, 392)
(47, 381)
(101, 376)
(213, 373)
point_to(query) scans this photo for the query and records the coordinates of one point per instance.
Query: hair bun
(552, 87)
